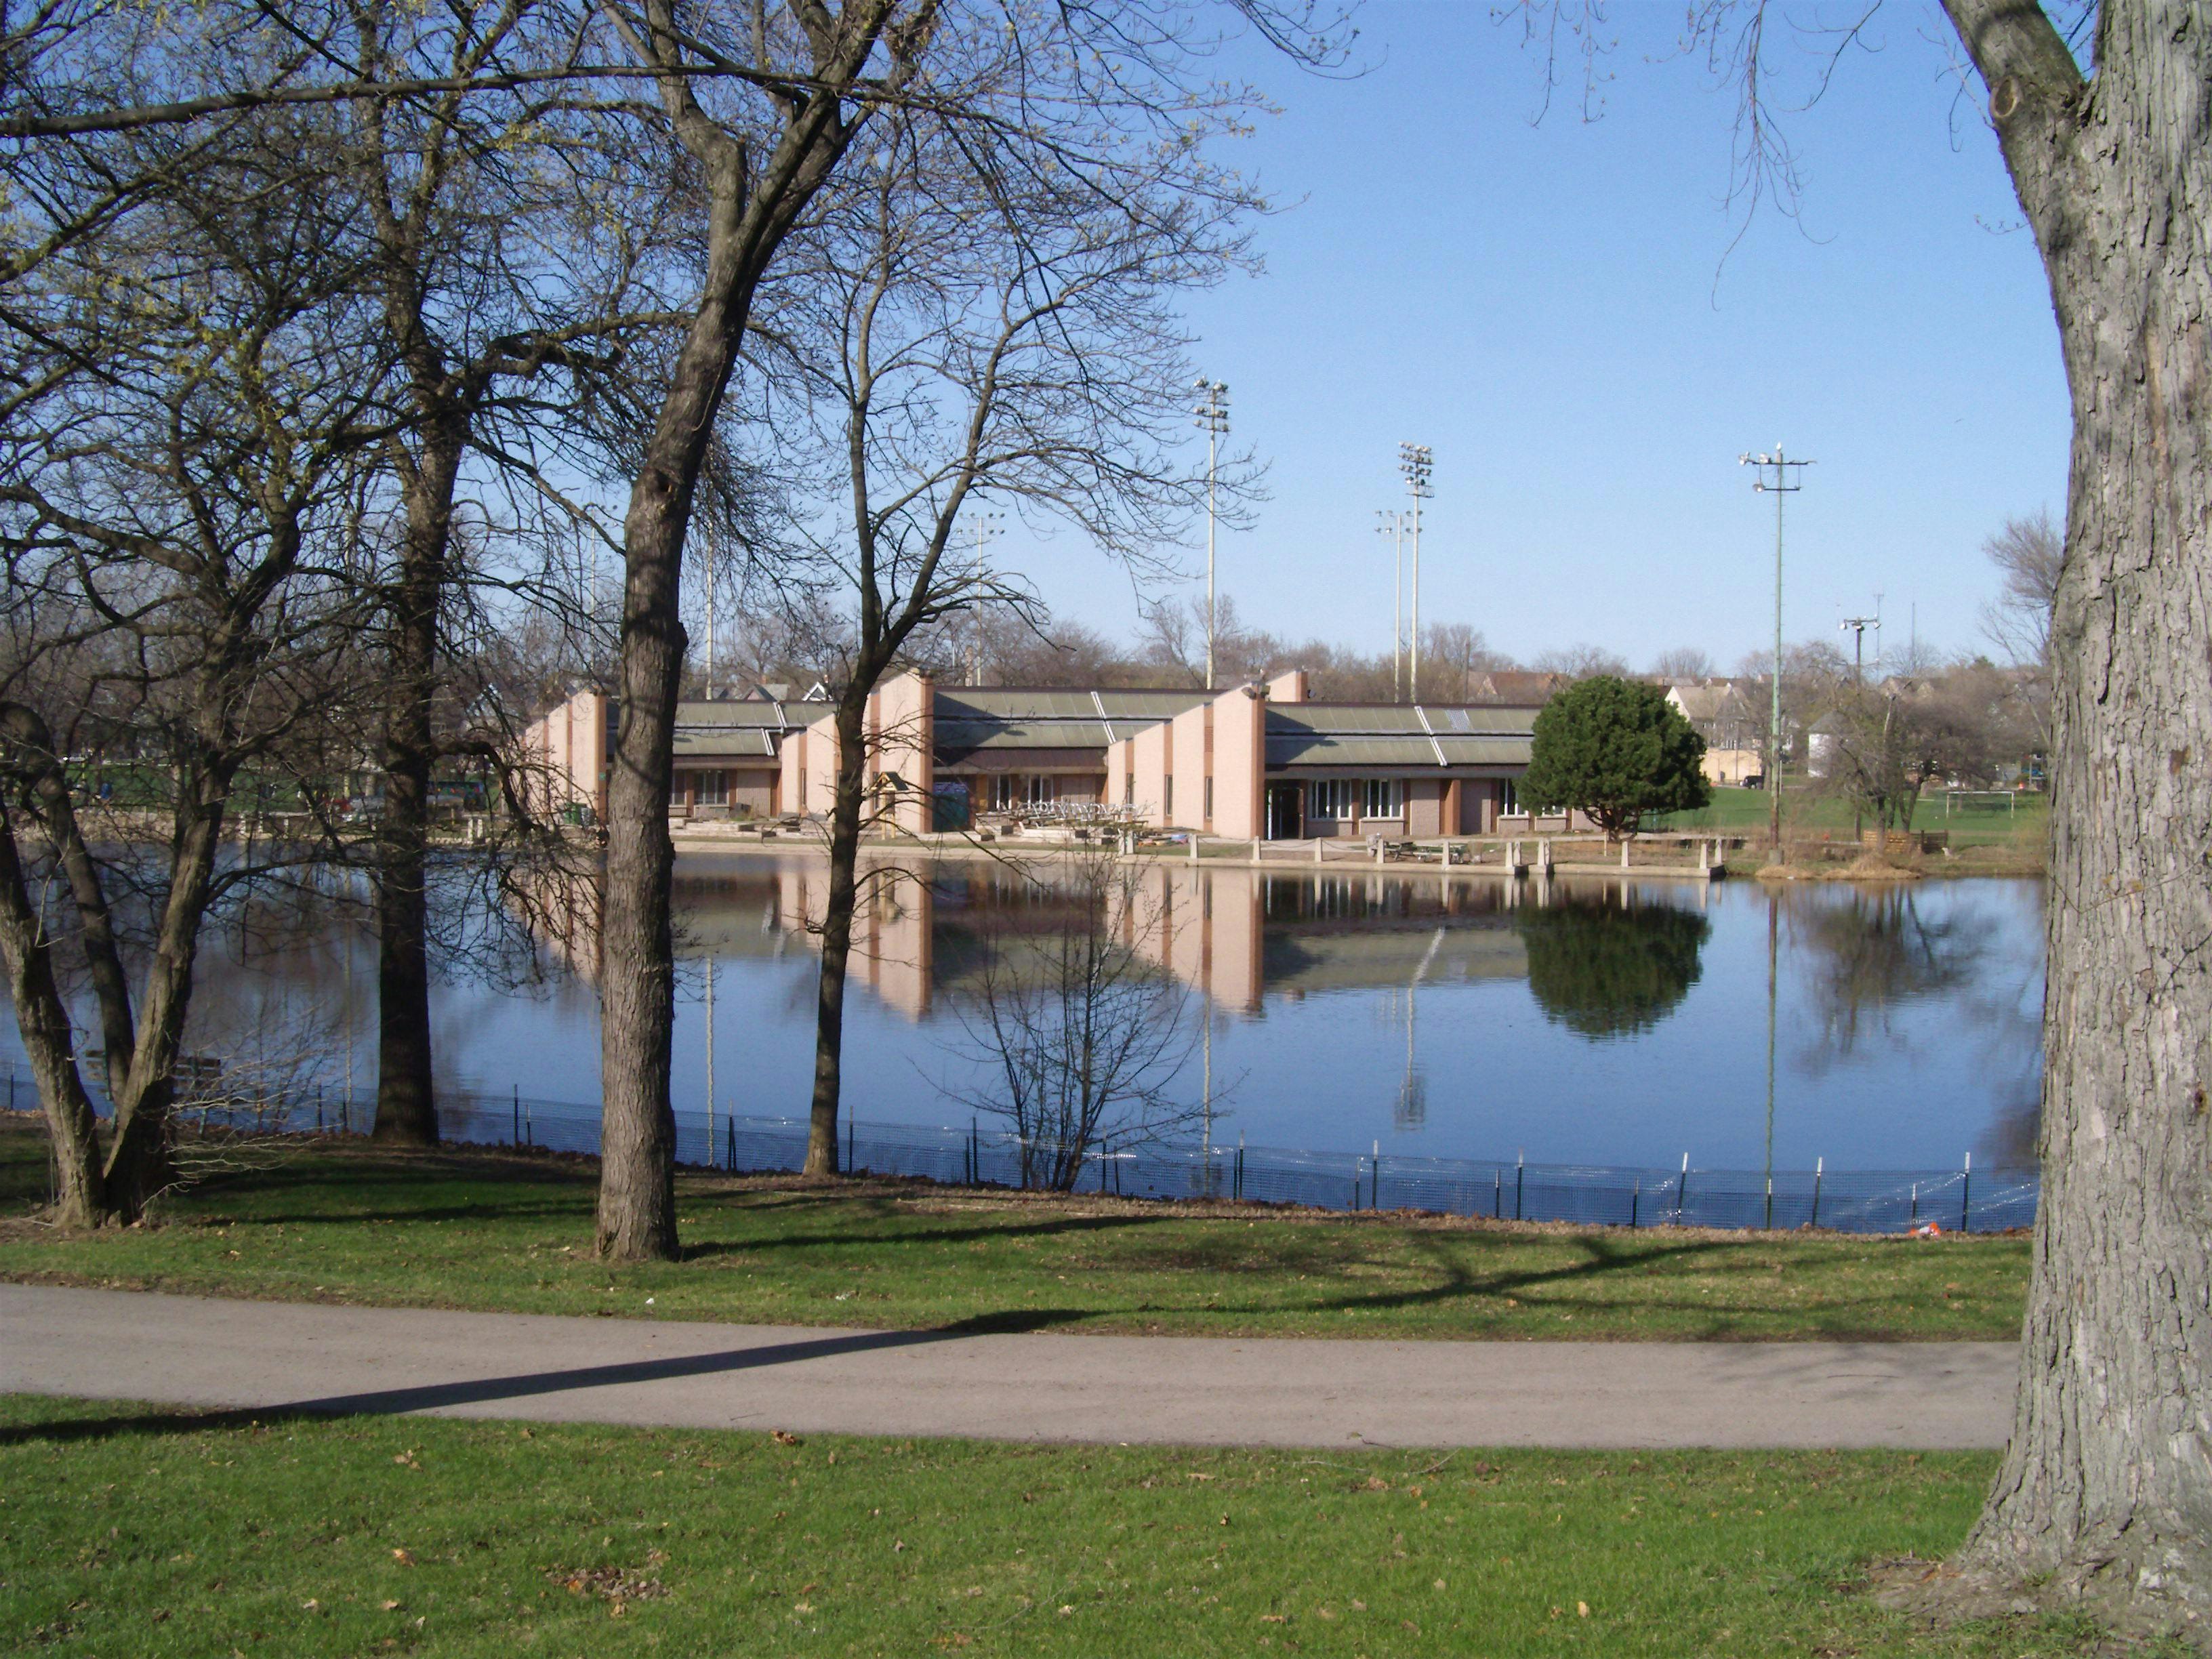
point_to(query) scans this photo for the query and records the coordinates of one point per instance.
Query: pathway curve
(1034, 1385)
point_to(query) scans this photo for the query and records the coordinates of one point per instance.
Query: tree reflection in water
(1613, 967)
(1868, 955)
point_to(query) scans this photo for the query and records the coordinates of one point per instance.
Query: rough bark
(748, 215)
(2107, 1489)
(43, 1021)
(406, 1107)
(837, 928)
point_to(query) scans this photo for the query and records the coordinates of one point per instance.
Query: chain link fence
(1963, 1200)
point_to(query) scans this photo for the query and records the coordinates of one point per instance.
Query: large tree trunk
(406, 1107)
(748, 214)
(838, 933)
(2107, 1489)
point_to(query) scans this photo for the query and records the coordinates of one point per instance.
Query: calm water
(1596, 1022)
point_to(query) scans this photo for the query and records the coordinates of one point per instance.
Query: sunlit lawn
(338, 1221)
(169, 1535)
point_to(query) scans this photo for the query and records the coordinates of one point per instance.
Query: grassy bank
(339, 1221)
(163, 1534)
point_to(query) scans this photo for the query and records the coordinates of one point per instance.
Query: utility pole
(1414, 463)
(1392, 524)
(1212, 412)
(989, 526)
(1781, 487)
(1856, 628)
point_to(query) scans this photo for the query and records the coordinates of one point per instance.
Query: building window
(1209, 798)
(1167, 797)
(1332, 797)
(1509, 798)
(712, 789)
(1012, 791)
(1386, 798)
(1129, 789)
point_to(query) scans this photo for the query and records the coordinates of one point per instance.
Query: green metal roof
(972, 717)
(1397, 735)
(737, 728)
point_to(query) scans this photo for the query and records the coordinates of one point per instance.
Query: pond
(1580, 1021)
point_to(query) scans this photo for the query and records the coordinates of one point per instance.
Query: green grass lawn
(1988, 823)
(338, 1221)
(127, 1532)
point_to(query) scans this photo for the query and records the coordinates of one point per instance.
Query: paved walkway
(265, 1356)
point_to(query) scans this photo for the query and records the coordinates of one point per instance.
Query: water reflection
(1601, 1021)
(1612, 971)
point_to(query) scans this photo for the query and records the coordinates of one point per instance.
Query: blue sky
(1554, 308)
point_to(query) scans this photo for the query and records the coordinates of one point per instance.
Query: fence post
(1966, 1196)
(1375, 1180)
(1240, 1169)
(1770, 1204)
(1497, 1194)
(1520, 1177)
(1356, 1173)
(514, 1138)
(849, 1145)
(1820, 1168)
(1682, 1194)
(1913, 1220)
(1635, 1202)
(730, 1126)
(974, 1156)
(529, 1128)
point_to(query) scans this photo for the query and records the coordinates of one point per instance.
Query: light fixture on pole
(1781, 487)
(1856, 628)
(989, 526)
(1414, 463)
(1392, 524)
(1212, 413)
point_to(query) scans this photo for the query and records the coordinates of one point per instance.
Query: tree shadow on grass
(446, 1396)
(925, 1238)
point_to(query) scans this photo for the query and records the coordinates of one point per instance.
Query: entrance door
(1285, 811)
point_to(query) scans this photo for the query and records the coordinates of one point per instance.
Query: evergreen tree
(1615, 750)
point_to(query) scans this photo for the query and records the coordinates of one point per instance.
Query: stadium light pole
(1415, 463)
(1781, 487)
(1392, 524)
(989, 526)
(1212, 413)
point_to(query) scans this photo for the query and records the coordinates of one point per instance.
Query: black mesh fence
(1963, 1200)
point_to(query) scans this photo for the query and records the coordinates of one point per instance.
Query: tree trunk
(2106, 1490)
(406, 1105)
(748, 215)
(44, 1024)
(837, 933)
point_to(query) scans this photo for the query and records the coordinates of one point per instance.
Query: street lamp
(1212, 413)
(1414, 465)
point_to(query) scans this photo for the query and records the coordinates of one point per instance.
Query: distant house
(1731, 720)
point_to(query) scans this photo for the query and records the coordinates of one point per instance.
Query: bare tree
(180, 513)
(1683, 663)
(2030, 554)
(1080, 1033)
(1583, 662)
(757, 149)
(1452, 655)
(999, 330)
